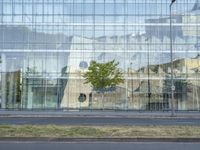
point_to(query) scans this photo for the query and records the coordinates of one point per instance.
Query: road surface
(97, 146)
(98, 121)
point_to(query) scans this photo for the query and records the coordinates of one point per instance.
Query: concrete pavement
(97, 118)
(98, 121)
(105, 114)
(97, 146)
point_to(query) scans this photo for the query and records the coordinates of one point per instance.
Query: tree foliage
(104, 76)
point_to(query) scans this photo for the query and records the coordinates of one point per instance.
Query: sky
(106, 14)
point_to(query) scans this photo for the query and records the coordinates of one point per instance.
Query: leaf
(103, 75)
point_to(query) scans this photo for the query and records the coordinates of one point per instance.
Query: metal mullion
(104, 32)
(115, 22)
(12, 11)
(57, 57)
(53, 7)
(93, 38)
(43, 11)
(125, 55)
(2, 14)
(72, 15)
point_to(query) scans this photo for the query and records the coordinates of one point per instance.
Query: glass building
(47, 45)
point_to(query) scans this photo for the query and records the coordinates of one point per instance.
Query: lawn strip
(100, 132)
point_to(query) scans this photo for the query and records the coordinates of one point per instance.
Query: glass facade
(47, 45)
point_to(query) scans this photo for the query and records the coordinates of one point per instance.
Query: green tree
(104, 77)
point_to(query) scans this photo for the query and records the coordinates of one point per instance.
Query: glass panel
(47, 45)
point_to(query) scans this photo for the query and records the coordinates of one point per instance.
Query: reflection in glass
(47, 46)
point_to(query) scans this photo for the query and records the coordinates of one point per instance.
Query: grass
(100, 132)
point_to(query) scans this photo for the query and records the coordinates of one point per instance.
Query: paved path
(98, 121)
(126, 114)
(97, 118)
(97, 146)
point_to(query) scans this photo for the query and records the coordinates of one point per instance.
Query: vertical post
(3, 82)
(148, 73)
(198, 80)
(172, 67)
(149, 90)
(11, 86)
(131, 73)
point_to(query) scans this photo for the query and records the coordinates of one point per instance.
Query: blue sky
(137, 11)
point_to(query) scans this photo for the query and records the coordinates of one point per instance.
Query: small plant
(104, 77)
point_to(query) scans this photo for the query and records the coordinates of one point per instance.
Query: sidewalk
(111, 114)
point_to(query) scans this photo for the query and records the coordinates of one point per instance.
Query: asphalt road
(98, 121)
(97, 146)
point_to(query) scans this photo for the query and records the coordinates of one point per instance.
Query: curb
(100, 116)
(46, 139)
